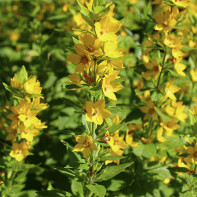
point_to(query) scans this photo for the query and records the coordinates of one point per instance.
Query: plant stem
(163, 63)
(150, 127)
(92, 131)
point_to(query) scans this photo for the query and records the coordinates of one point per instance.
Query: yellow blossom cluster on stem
(24, 124)
(162, 111)
(98, 63)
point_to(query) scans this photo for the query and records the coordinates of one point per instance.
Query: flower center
(195, 154)
(94, 112)
(151, 110)
(84, 59)
(90, 48)
(86, 143)
(155, 68)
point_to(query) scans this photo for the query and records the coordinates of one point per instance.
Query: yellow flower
(92, 45)
(85, 145)
(147, 140)
(14, 36)
(2, 174)
(110, 50)
(89, 4)
(109, 86)
(179, 67)
(75, 79)
(171, 89)
(109, 66)
(129, 135)
(106, 28)
(166, 19)
(20, 151)
(12, 133)
(179, 113)
(173, 41)
(27, 133)
(117, 161)
(133, 1)
(16, 110)
(182, 164)
(32, 86)
(194, 110)
(177, 53)
(36, 105)
(192, 151)
(116, 143)
(154, 70)
(65, 7)
(169, 126)
(160, 137)
(157, 2)
(193, 73)
(96, 112)
(29, 118)
(149, 110)
(82, 58)
(181, 3)
(14, 83)
(166, 129)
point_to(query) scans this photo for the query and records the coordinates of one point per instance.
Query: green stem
(163, 65)
(92, 129)
(94, 84)
(150, 127)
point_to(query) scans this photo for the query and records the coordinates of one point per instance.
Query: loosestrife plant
(162, 83)
(21, 126)
(98, 63)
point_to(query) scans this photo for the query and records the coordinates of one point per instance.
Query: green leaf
(71, 103)
(22, 75)
(116, 185)
(111, 157)
(97, 190)
(85, 123)
(15, 92)
(112, 129)
(149, 150)
(98, 3)
(178, 169)
(66, 144)
(111, 171)
(57, 17)
(88, 19)
(193, 119)
(59, 54)
(86, 14)
(100, 11)
(76, 41)
(155, 96)
(95, 92)
(72, 86)
(160, 173)
(83, 30)
(163, 116)
(139, 150)
(54, 193)
(66, 171)
(77, 188)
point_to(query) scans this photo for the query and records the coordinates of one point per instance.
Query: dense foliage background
(40, 35)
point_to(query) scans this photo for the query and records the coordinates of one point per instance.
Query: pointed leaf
(97, 190)
(111, 171)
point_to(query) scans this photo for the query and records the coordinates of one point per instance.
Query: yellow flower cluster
(98, 62)
(161, 108)
(24, 125)
(190, 149)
